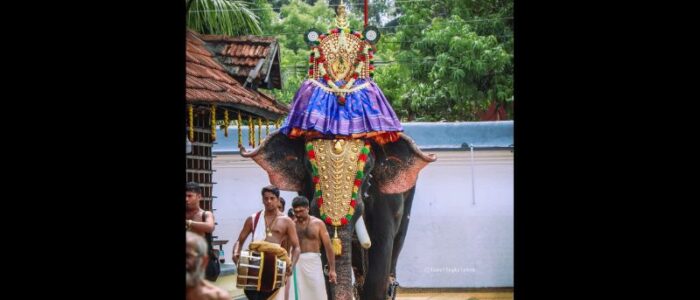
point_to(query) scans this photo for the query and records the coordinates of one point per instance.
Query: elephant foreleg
(403, 228)
(384, 214)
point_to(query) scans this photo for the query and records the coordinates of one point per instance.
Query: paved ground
(455, 295)
(228, 282)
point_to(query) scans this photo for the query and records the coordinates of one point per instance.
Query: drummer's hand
(236, 256)
(288, 272)
(332, 277)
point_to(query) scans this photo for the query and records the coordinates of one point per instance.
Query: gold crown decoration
(341, 54)
(340, 16)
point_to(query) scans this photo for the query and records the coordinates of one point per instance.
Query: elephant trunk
(343, 290)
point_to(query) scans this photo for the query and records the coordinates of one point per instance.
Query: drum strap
(255, 223)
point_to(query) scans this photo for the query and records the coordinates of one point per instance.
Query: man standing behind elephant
(312, 232)
(269, 225)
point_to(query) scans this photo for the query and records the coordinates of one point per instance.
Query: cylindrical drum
(260, 271)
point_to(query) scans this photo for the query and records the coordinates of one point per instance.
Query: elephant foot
(343, 293)
(359, 282)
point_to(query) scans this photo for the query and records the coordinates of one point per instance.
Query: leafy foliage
(436, 60)
(229, 17)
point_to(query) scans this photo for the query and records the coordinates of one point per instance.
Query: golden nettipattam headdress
(341, 54)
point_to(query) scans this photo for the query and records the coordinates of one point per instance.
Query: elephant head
(391, 171)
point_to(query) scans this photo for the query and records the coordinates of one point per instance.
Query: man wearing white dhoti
(309, 268)
(271, 226)
(258, 234)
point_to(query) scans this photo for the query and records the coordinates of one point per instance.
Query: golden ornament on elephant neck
(337, 167)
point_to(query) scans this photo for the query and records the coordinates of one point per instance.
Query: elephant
(386, 195)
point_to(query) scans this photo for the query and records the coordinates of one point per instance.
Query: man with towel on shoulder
(272, 226)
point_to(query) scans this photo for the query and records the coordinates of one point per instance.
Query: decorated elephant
(384, 198)
(342, 146)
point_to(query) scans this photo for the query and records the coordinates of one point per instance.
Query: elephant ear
(283, 159)
(397, 165)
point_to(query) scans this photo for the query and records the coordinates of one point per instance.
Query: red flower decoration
(352, 203)
(341, 99)
(354, 76)
(358, 182)
(326, 77)
(315, 179)
(311, 59)
(328, 220)
(311, 72)
(362, 157)
(320, 201)
(343, 221)
(363, 57)
(312, 154)
(371, 67)
(323, 36)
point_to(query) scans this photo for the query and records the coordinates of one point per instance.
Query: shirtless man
(199, 288)
(201, 222)
(275, 227)
(312, 232)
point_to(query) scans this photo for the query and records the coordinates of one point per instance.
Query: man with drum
(272, 226)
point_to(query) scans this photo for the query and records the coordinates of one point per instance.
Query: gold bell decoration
(267, 127)
(337, 244)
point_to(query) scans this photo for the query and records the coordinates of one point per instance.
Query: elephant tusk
(362, 234)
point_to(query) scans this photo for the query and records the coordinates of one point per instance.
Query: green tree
(446, 59)
(451, 58)
(229, 17)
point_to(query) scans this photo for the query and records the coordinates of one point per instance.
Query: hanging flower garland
(240, 132)
(361, 160)
(251, 132)
(213, 122)
(226, 123)
(259, 130)
(190, 118)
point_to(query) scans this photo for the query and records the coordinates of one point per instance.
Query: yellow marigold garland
(251, 132)
(226, 120)
(190, 113)
(213, 122)
(240, 133)
(259, 130)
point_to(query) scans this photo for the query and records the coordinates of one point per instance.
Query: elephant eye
(393, 158)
